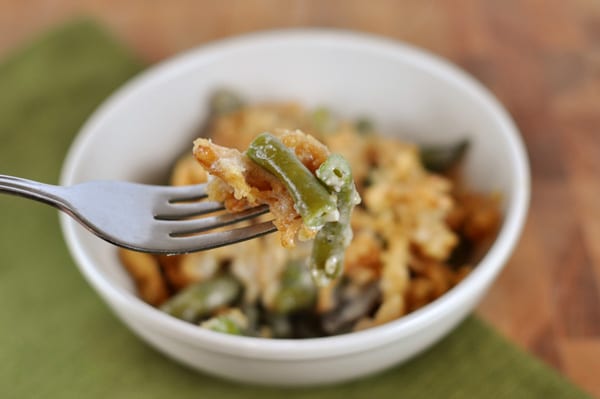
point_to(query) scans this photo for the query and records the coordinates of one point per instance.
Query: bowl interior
(138, 133)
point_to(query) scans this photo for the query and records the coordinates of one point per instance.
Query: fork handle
(46, 193)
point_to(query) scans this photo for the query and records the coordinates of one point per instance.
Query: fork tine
(186, 193)
(181, 227)
(221, 238)
(180, 210)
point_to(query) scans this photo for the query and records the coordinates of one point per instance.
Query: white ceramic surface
(138, 132)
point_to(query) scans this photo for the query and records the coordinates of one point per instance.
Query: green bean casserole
(335, 265)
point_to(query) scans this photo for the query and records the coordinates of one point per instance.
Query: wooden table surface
(540, 57)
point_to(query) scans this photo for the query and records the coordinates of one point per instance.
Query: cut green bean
(225, 101)
(364, 126)
(315, 204)
(327, 258)
(335, 173)
(329, 247)
(441, 158)
(297, 291)
(222, 324)
(201, 299)
(232, 322)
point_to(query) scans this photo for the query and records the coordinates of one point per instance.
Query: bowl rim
(312, 348)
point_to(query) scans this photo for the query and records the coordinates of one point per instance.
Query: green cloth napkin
(58, 340)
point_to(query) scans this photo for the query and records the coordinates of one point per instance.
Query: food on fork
(310, 192)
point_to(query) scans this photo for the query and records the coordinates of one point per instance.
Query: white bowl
(138, 132)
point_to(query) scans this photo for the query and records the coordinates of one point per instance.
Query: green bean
(364, 126)
(312, 200)
(224, 101)
(297, 290)
(201, 299)
(441, 158)
(327, 257)
(335, 173)
(233, 321)
(223, 324)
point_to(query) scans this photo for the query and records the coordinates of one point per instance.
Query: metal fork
(141, 217)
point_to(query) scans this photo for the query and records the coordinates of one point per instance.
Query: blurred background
(540, 57)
